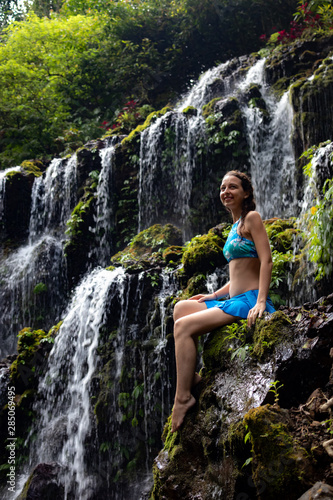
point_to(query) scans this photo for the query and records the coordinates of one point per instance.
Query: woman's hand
(256, 312)
(202, 298)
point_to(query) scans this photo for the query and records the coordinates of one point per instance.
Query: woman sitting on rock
(248, 253)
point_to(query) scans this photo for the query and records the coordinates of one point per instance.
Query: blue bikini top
(237, 247)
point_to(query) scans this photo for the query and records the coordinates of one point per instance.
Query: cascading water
(34, 276)
(318, 169)
(33, 282)
(53, 197)
(167, 160)
(104, 219)
(271, 152)
(64, 422)
(167, 166)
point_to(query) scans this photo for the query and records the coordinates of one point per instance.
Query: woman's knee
(186, 307)
(180, 309)
(181, 328)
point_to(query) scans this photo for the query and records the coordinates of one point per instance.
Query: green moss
(196, 284)
(148, 121)
(278, 459)
(209, 108)
(32, 347)
(33, 167)
(270, 332)
(13, 176)
(215, 349)
(173, 253)
(190, 111)
(171, 440)
(156, 238)
(203, 253)
(281, 233)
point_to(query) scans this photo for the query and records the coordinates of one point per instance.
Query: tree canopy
(70, 66)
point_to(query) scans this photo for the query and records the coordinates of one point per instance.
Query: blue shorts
(239, 305)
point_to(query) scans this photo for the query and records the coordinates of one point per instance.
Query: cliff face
(99, 385)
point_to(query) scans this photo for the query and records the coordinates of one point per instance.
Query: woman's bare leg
(186, 331)
(184, 308)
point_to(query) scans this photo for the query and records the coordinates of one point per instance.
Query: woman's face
(232, 193)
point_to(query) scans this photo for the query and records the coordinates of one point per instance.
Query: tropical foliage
(70, 66)
(314, 17)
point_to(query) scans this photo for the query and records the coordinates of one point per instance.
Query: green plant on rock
(319, 232)
(235, 335)
(40, 288)
(148, 121)
(280, 262)
(77, 221)
(33, 167)
(155, 239)
(220, 133)
(274, 388)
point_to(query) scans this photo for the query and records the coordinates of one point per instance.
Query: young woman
(248, 253)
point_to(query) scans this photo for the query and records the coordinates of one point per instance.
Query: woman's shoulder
(253, 221)
(253, 217)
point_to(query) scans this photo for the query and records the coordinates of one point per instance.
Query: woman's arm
(258, 233)
(222, 292)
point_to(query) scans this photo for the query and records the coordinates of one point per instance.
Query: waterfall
(54, 196)
(169, 149)
(167, 160)
(104, 220)
(65, 418)
(271, 153)
(34, 282)
(65, 428)
(202, 92)
(169, 287)
(318, 169)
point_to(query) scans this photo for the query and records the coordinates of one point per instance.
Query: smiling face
(232, 193)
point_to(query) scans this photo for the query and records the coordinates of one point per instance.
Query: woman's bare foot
(179, 411)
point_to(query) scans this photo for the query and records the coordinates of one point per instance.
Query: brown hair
(249, 203)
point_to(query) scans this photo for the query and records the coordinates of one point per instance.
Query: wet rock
(257, 418)
(43, 484)
(320, 491)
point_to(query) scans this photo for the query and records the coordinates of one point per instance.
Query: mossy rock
(190, 111)
(34, 168)
(278, 461)
(204, 253)
(33, 347)
(173, 253)
(80, 236)
(281, 233)
(156, 238)
(209, 108)
(196, 284)
(148, 121)
(270, 332)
